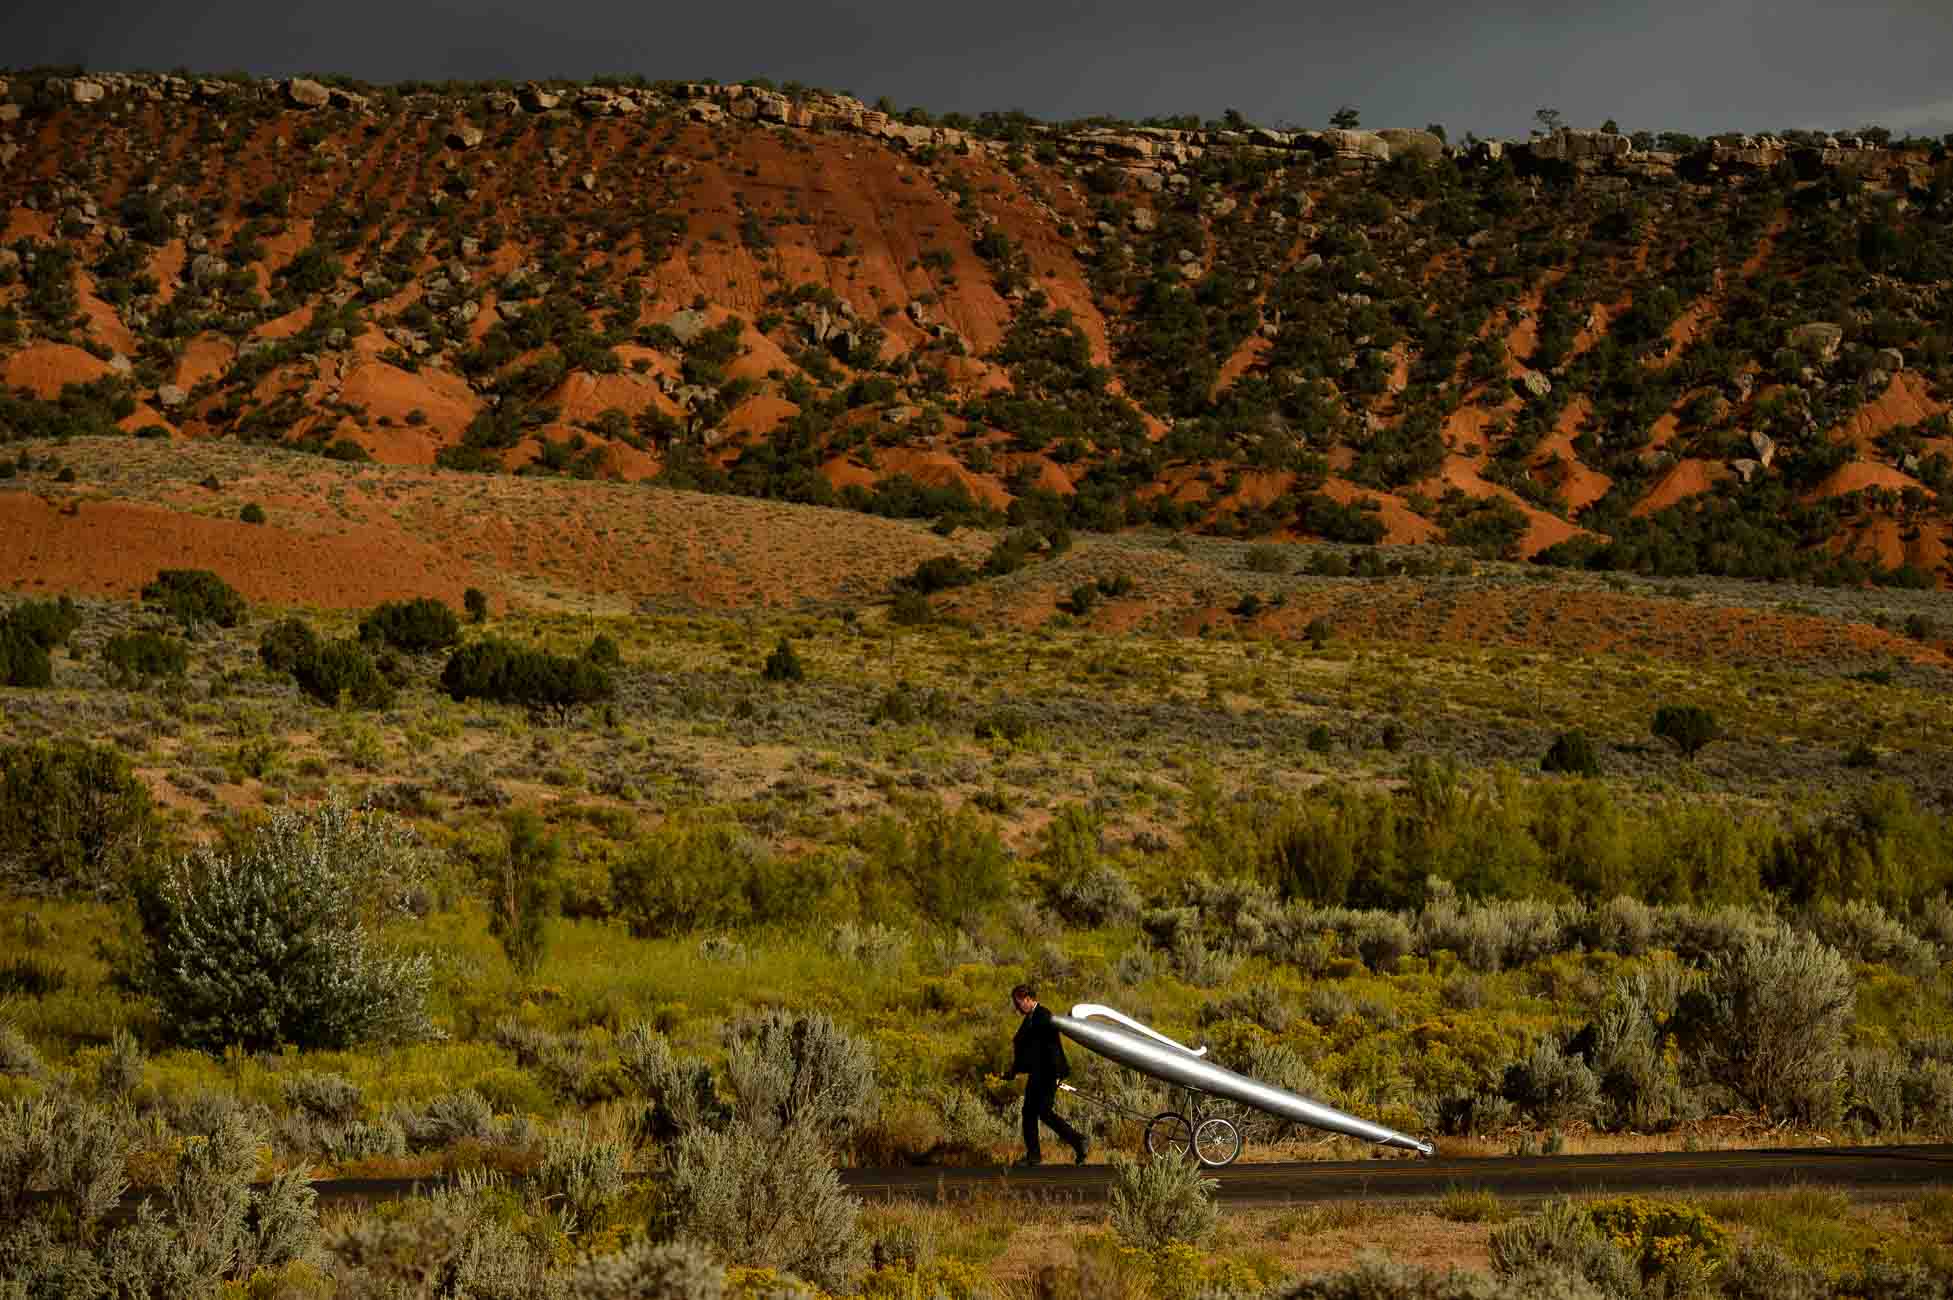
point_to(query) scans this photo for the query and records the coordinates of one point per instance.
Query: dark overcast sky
(1693, 65)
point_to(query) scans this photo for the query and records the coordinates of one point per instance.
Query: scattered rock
(1820, 338)
(465, 136)
(83, 91)
(1536, 384)
(208, 267)
(169, 397)
(306, 93)
(1144, 220)
(1745, 469)
(1892, 359)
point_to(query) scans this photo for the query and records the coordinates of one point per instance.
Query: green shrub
(253, 513)
(783, 665)
(417, 626)
(271, 945)
(1688, 727)
(951, 863)
(24, 661)
(911, 609)
(689, 876)
(475, 602)
(939, 573)
(137, 656)
(74, 819)
(603, 652)
(1572, 753)
(1319, 632)
(287, 643)
(343, 669)
(48, 623)
(508, 673)
(1162, 1200)
(193, 596)
(522, 887)
(1267, 558)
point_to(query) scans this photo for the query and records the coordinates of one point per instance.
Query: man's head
(1024, 998)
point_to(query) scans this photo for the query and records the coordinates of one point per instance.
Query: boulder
(169, 397)
(688, 325)
(1572, 145)
(465, 136)
(1892, 359)
(206, 268)
(537, 99)
(1821, 339)
(1536, 384)
(1412, 144)
(1145, 220)
(1765, 448)
(1364, 145)
(1745, 469)
(83, 91)
(306, 93)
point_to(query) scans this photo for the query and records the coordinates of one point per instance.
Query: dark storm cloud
(1696, 65)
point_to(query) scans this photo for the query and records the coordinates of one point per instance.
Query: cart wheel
(1169, 1134)
(1216, 1142)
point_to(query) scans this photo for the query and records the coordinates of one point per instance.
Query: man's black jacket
(1036, 1050)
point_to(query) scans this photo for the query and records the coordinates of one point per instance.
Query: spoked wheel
(1169, 1134)
(1216, 1142)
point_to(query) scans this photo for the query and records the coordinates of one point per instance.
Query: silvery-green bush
(767, 1201)
(1770, 1020)
(272, 945)
(800, 1071)
(1162, 1200)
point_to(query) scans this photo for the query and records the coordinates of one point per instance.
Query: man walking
(1036, 1052)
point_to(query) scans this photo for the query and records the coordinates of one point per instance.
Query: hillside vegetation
(1723, 357)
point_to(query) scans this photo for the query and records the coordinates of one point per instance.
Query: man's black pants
(1039, 1094)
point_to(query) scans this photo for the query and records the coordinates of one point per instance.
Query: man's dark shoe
(1078, 1151)
(1026, 1162)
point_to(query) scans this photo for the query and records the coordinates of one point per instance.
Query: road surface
(1887, 1170)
